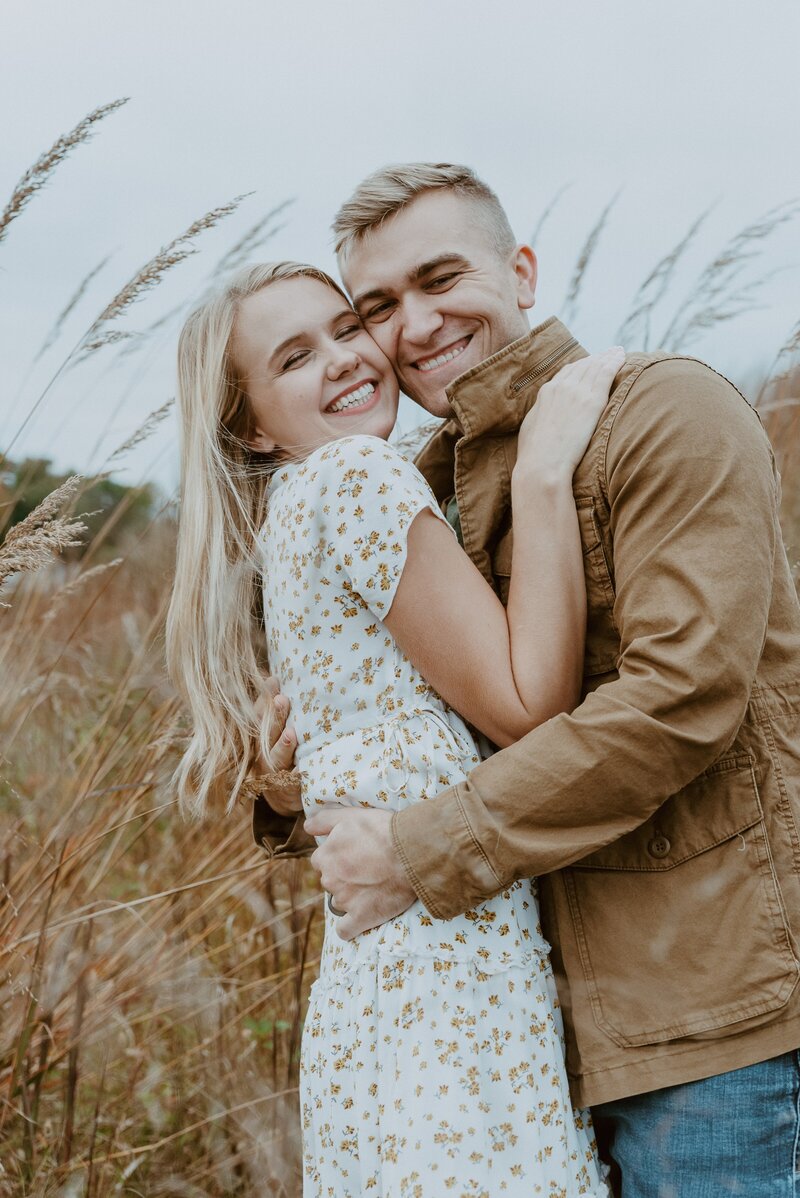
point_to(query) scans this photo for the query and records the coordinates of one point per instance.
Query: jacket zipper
(544, 365)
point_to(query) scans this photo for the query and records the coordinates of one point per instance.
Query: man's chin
(436, 405)
(433, 400)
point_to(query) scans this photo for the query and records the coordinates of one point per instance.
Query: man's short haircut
(392, 188)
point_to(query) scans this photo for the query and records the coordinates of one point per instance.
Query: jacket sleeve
(280, 835)
(692, 493)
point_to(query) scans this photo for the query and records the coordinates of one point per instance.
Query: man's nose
(420, 319)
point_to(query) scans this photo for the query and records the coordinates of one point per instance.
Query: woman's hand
(555, 434)
(278, 782)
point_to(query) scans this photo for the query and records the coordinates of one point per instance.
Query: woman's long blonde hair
(215, 647)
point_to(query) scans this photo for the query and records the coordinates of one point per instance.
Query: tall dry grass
(154, 973)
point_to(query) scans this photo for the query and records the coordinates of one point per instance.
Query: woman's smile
(358, 397)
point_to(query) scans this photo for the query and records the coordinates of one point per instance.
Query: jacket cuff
(280, 835)
(443, 859)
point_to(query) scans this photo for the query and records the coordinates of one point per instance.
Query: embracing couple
(633, 653)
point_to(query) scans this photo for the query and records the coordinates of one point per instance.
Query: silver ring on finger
(333, 909)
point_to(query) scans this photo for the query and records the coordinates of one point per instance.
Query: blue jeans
(736, 1133)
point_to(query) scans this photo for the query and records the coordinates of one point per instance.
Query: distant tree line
(112, 511)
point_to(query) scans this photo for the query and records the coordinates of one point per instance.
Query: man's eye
(380, 311)
(443, 280)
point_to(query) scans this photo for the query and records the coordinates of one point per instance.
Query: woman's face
(310, 371)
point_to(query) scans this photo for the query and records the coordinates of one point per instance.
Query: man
(663, 815)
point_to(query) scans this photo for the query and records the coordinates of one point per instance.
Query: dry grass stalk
(548, 211)
(43, 534)
(654, 288)
(584, 258)
(254, 238)
(40, 547)
(109, 337)
(144, 338)
(153, 272)
(68, 592)
(713, 298)
(72, 304)
(37, 175)
(81, 991)
(145, 429)
(782, 369)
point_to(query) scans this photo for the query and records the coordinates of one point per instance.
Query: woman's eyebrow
(303, 335)
(286, 344)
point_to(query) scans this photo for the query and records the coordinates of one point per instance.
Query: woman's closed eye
(349, 330)
(295, 359)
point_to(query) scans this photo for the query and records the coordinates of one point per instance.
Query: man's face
(434, 293)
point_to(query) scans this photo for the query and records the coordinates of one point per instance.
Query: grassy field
(154, 972)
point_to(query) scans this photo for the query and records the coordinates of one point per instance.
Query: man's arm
(693, 500)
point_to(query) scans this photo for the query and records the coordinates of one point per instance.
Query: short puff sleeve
(368, 496)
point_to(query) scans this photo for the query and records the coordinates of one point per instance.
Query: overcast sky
(675, 106)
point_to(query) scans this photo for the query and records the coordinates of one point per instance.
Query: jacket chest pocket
(602, 638)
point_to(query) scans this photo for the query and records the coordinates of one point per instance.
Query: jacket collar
(495, 396)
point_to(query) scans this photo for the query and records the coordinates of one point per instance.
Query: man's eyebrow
(448, 258)
(302, 335)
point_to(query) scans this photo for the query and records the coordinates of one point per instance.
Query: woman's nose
(342, 361)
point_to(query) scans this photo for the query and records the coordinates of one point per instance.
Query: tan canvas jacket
(662, 815)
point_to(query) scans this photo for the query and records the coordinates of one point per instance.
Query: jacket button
(659, 846)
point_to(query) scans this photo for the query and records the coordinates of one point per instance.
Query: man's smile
(442, 356)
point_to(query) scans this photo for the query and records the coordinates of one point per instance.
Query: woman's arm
(508, 671)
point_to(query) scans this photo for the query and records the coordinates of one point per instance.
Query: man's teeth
(353, 399)
(430, 363)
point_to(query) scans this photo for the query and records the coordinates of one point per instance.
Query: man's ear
(526, 269)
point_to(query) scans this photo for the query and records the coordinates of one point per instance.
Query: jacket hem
(687, 1064)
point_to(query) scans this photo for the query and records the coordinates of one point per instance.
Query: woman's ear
(259, 441)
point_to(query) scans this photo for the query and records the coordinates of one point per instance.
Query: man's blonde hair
(392, 188)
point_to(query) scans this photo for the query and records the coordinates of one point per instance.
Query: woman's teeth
(430, 363)
(354, 398)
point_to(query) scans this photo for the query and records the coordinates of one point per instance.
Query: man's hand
(279, 786)
(359, 868)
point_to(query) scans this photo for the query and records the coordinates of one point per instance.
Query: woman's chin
(371, 424)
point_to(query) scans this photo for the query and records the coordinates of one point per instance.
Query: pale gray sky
(679, 105)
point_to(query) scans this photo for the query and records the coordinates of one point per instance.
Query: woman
(432, 1058)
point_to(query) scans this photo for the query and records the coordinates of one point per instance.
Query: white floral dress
(432, 1057)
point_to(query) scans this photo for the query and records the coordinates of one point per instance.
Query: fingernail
(287, 738)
